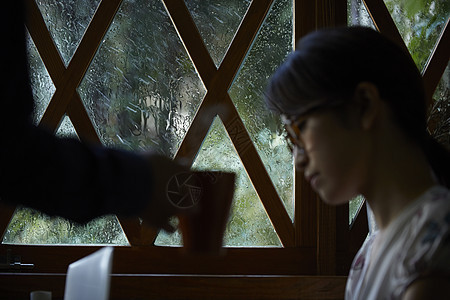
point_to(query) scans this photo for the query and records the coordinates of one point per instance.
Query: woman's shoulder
(438, 193)
(420, 245)
(428, 234)
(433, 211)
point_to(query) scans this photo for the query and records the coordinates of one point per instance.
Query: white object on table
(89, 278)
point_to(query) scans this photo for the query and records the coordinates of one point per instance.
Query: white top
(415, 244)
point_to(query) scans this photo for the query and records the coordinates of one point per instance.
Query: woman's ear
(368, 99)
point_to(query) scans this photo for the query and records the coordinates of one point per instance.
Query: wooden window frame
(318, 241)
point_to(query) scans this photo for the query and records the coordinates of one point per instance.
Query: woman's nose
(300, 158)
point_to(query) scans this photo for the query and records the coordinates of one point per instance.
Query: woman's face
(333, 158)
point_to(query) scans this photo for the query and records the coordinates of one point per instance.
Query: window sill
(167, 286)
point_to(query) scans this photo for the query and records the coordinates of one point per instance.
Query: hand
(160, 209)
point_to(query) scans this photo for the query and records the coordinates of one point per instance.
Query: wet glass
(42, 85)
(249, 225)
(66, 129)
(31, 227)
(67, 21)
(439, 113)
(353, 208)
(272, 44)
(357, 14)
(142, 90)
(217, 22)
(420, 24)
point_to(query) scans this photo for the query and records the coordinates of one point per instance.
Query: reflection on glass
(249, 224)
(141, 90)
(32, 227)
(67, 21)
(420, 24)
(217, 22)
(273, 43)
(41, 83)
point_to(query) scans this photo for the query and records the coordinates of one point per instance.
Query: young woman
(354, 109)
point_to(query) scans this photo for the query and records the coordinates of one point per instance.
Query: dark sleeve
(57, 176)
(67, 178)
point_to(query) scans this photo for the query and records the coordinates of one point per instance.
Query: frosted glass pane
(141, 90)
(358, 15)
(273, 43)
(420, 24)
(217, 22)
(41, 83)
(249, 224)
(66, 129)
(32, 227)
(67, 21)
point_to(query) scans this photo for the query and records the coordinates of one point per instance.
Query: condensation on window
(67, 21)
(249, 225)
(32, 227)
(142, 90)
(217, 22)
(41, 84)
(273, 43)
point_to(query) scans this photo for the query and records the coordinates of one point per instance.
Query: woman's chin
(335, 199)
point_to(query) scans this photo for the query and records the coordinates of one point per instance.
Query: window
(192, 93)
(142, 91)
(148, 82)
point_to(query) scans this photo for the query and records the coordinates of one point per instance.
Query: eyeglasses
(293, 126)
(293, 133)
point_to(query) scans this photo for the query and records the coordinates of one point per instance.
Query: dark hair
(328, 65)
